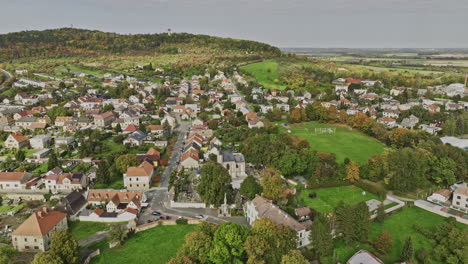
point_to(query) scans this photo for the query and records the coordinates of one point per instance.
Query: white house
(260, 207)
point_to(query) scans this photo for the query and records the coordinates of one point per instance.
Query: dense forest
(73, 42)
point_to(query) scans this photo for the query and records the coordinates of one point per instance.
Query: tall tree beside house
(125, 161)
(66, 247)
(102, 174)
(250, 187)
(53, 161)
(294, 257)
(268, 242)
(352, 172)
(20, 155)
(228, 244)
(63, 250)
(118, 128)
(384, 242)
(344, 225)
(46, 258)
(321, 235)
(407, 252)
(215, 182)
(361, 221)
(166, 130)
(272, 183)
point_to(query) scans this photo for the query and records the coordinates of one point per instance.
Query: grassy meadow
(345, 143)
(266, 73)
(328, 198)
(400, 225)
(156, 245)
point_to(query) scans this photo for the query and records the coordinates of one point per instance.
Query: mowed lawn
(400, 225)
(80, 230)
(345, 143)
(266, 73)
(156, 245)
(328, 198)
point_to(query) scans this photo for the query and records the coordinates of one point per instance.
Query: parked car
(156, 213)
(200, 216)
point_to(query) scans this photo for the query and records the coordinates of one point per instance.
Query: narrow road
(7, 75)
(176, 153)
(94, 238)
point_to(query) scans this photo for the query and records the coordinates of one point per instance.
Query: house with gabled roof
(16, 140)
(139, 178)
(261, 207)
(36, 232)
(116, 200)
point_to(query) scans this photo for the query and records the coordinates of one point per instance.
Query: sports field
(266, 73)
(344, 142)
(328, 198)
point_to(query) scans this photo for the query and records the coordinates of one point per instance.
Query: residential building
(460, 198)
(260, 207)
(13, 181)
(36, 232)
(364, 257)
(139, 178)
(440, 196)
(104, 119)
(16, 140)
(116, 200)
(66, 182)
(40, 141)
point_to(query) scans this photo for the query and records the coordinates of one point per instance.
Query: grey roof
(137, 135)
(232, 157)
(364, 257)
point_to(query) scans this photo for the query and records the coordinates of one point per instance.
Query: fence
(437, 209)
(162, 223)
(187, 205)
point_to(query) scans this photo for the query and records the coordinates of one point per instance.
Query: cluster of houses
(456, 197)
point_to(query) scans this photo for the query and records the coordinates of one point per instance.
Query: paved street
(158, 197)
(7, 75)
(181, 130)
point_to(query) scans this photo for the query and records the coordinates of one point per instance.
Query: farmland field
(400, 225)
(345, 143)
(266, 73)
(328, 198)
(157, 245)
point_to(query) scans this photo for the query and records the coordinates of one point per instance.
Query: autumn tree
(295, 115)
(125, 161)
(294, 257)
(272, 183)
(352, 172)
(384, 242)
(268, 242)
(228, 244)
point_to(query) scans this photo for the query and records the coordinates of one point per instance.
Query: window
(25, 240)
(36, 247)
(458, 197)
(458, 203)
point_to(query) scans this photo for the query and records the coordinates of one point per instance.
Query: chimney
(45, 210)
(39, 213)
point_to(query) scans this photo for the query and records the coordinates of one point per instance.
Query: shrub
(181, 221)
(372, 188)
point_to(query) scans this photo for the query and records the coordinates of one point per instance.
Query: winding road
(7, 75)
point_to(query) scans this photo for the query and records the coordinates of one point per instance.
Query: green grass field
(345, 143)
(157, 245)
(266, 73)
(80, 230)
(400, 225)
(328, 198)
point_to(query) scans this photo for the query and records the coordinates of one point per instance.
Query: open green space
(80, 230)
(157, 245)
(266, 73)
(400, 225)
(9, 208)
(328, 198)
(345, 142)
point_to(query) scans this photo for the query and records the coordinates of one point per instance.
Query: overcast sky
(283, 23)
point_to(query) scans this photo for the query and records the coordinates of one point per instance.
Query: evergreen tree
(102, 174)
(321, 236)
(20, 155)
(53, 161)
(380, 214)
(407, 251)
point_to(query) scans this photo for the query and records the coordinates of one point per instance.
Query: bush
(181, 221)
(422, 255)
(47, 196)
(372, 188)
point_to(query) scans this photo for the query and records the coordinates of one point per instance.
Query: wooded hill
(66, 42)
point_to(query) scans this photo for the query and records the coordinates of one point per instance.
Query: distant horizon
(294, 23)
(280, 47)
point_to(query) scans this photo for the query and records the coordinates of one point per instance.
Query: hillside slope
(67, 42)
